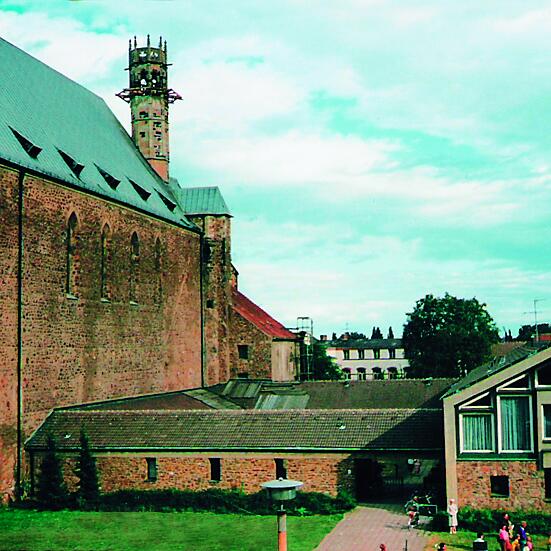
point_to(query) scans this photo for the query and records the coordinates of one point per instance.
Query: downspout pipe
(202, 305)
(19, 460)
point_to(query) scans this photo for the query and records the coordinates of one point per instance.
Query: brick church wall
(216, 296)
(8, 327)
(526, 485)
(85, 349)
(259, 363)
(327, 473)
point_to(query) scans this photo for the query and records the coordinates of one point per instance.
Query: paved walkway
(365, 528)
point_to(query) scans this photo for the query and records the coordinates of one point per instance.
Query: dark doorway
(369, 479)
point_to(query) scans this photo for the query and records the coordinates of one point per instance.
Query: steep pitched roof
(203, 200)
(244, 430)
(72, 126)
(259, 318)
(498, 363)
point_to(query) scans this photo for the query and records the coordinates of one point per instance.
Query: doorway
(369, 479)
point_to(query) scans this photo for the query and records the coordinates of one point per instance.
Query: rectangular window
(346, 354)
(547, 473)
(361, 354)
(151, 469)
(516, 431)
(543, 375)
(499, 486)
(547, 421)
(281, 468)
(392, 353)
(477, 433)
(362, 375)
(243, 351)
(347, 373)
(377, 354)
(215, 469)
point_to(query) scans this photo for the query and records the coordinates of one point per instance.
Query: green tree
(390, 333)
(528, 332)
(87, 473)
(325, 367)
(448, 336)
(51, 490)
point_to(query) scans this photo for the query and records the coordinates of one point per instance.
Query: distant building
(365, 359)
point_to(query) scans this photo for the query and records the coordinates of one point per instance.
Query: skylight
(111, 180)
(143, 193)
(31, 149)
(76, 168)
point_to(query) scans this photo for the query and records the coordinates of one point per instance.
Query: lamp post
(282, 490)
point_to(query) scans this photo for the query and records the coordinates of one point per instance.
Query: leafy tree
(448, 336)
(376, 333)
(390, 333)
(528, 332)
(325, 367)
(354, 335)
(87, 473)
(51, 491)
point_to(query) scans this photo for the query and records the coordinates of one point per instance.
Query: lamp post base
(282, 530)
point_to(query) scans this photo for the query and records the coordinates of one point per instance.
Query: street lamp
(282, 490)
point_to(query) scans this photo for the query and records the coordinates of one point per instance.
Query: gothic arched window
(158, 272)
(71, 274)
(105, 263)
(134, 266)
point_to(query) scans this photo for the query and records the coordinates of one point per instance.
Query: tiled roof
(203, 200)
(64, 119)
(365, 343)
(498, 363)
(179, 400)
(259, 318)
(245, 430)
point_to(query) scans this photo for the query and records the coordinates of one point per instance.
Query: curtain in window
(515, 423)
(477, 433)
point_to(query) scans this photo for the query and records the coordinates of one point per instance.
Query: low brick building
(498, 433)
(329, 450)
(262, 348)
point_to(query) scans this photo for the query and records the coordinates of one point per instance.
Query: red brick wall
(85, 350)
(8, 327)
(216, 297)
(325, 473)
(259, 363)
(526, 485)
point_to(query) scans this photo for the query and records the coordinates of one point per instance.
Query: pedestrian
(452, 513)
(441, 546)
(516, 544)
(412, 518)
(504, 540)
(522, 531)
(480, 544)
(382, 547)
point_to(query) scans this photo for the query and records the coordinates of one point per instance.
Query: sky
(370, 151)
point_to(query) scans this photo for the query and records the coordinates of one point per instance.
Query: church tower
(149, 98)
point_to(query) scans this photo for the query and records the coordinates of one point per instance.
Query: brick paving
(365, 528)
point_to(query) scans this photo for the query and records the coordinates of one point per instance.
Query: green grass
(79, 531)
(463, 541)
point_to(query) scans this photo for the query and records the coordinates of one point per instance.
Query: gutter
(19, 460)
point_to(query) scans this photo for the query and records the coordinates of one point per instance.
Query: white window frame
(537, 379)
(543, 436)
(461, 446)
(479, 397)
(506, 387)
(499, 446)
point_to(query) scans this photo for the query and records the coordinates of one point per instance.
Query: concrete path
(365, 528)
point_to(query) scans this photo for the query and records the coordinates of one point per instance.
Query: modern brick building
(498, 433)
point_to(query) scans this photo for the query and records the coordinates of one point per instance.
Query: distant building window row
(215, 469)
(361, 373)
(73, 261)
(361, 354)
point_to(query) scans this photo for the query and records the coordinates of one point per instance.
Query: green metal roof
(203, 200)
(58, 115)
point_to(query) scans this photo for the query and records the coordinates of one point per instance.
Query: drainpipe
(201, 287)
(19, 463)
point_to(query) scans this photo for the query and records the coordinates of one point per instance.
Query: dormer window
(170, 205)
(76, 168)
(112, 182)
(31, 149)
(143, 193)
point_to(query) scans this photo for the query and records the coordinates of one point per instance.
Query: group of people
(509, 540)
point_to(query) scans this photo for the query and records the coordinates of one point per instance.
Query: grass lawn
(463, 541)
(73, 531)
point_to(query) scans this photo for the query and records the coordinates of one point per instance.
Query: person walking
(452, 514)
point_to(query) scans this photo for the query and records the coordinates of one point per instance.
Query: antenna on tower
(535, 312)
